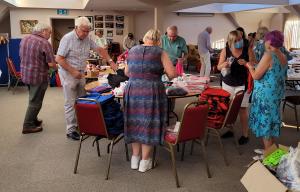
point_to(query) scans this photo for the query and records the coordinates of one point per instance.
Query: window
(292, 33)
(219, 44)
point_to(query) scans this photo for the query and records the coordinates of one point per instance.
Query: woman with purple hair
(269, 86)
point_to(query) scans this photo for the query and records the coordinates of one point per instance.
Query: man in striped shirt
(36, 56)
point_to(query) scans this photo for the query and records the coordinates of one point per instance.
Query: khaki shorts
(233, 90)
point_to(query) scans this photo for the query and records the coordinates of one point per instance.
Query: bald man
(204, 49)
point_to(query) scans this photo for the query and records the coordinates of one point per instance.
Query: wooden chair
(229, 121)
(292, 101)
(192, 128)
(15, 76)
(91, 123)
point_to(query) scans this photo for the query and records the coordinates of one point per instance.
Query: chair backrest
(234, 108)
(90, 117)
(193, 121)
(11, 67)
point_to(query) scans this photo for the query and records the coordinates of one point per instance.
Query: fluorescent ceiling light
(226, 8)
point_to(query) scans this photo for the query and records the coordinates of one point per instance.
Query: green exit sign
(62, 11)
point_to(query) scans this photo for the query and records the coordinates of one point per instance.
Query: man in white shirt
(100, 40)
(128, 42)
(204, 49)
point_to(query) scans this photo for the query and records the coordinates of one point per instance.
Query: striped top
(35, 54)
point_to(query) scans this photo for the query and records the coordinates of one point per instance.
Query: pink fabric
(179, 68)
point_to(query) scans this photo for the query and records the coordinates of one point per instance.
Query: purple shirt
(35, 53)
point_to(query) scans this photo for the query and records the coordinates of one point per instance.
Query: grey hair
(38, 28)
(82, 21)
(261, 32)
(172, 28)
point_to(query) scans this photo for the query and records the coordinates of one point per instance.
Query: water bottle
(226, 70)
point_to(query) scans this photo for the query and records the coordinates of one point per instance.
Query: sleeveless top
(239, 73)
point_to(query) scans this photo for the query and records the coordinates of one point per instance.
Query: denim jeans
(36, 97)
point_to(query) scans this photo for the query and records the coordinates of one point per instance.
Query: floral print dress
(264, 116)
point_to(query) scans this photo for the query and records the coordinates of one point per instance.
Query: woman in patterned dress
(269, 86)
(145, 100)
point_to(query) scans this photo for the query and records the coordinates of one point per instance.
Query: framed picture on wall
(120, 18)
(119, 32)
(98, 24)
(109, 18)
(91, 21)
(120, 25)
(98, 17)
(110, 33)
(26, 26)
(109, 41)
(109, 25)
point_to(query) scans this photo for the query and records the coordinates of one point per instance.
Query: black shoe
(32, 130)
(243, 140)
(228, 134)
(74, 135)
(38, 122)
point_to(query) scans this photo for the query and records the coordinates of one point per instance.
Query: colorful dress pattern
(264, 116)
(145, 100)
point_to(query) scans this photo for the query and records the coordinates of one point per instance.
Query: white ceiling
(136, 5)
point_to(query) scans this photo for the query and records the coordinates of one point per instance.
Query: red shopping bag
(179, 68)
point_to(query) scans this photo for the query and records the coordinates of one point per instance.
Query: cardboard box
(259, 179)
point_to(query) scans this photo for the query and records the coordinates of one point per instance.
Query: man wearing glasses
(174, 45)
(71, 56)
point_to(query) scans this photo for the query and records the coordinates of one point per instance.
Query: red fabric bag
(218, 100)
(57, 79)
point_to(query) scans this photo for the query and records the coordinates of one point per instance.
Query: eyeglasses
(84, 31)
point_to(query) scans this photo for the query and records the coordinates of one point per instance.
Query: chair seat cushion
(214, 124)
(170, 137)
(18, 73)
(293, 99)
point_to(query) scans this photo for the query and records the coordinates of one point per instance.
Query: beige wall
(45, 15)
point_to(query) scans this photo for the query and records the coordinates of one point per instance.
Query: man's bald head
(172, 32)
(209, 30)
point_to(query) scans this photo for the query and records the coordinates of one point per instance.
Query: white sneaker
(145, 165)
(258, 157)
(135, 162)
(259, 151)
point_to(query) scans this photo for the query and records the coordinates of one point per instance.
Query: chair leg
(153, 157)
(192, 147)
(126, 151)
(296, 115)
(178, 147)
(174, 164)
(182, 152)
(98, 148)
(283, 106)
(207, 137)
(78, 153)
(222, 148)
(205, 159)
(16, 84)
(109, 158)
(236, 141)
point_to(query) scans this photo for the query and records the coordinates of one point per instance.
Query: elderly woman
(237, 78)
(145, 100)
(269, 78)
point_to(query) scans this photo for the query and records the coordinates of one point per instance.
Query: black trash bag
(114, 80)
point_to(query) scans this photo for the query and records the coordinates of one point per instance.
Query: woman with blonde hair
(233, 58)
(145, 99)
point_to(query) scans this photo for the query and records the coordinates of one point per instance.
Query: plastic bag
(288, 170)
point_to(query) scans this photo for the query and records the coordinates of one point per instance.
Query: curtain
(292, 33)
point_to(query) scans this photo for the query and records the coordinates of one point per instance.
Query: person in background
(128, 42)
(145, 99)
(204, 49)
(71, 56)
(100, 39)
(36, 54)
(174, 45)
(237, 78)
(246, 42)
(269, 86)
